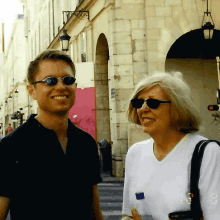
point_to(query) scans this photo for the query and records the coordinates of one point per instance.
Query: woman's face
(157, 120)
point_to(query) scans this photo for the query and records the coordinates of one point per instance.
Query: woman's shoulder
(195, 137)
(212, 148)
(140, 146)
(135, 152)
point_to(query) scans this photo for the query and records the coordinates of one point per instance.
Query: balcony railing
(78, 13)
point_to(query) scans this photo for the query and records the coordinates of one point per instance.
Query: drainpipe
(53, 20)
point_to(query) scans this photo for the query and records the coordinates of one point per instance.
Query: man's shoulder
(20, 133)
(81, 134)
(14, 141)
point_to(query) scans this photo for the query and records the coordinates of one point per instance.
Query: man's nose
(60, 83)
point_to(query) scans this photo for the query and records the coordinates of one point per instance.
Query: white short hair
(184, 114)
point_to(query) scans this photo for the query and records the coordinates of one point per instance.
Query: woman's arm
(135, 215)
(4, 205)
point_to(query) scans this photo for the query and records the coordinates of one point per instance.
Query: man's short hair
(184, 114)
(49, 54)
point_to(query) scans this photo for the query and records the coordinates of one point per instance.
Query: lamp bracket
(77, 13)
(208, 14)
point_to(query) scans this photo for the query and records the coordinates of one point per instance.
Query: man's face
(47, 96)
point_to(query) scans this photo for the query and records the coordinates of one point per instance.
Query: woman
(157, 170)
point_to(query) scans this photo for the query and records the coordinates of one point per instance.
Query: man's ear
(31, 91)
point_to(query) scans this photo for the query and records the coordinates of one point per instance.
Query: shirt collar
(32, 120)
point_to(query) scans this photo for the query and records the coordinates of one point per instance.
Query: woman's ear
(31, 91)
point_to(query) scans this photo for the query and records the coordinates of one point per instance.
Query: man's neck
(58, 123)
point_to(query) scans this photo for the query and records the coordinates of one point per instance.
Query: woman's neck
(165, 143)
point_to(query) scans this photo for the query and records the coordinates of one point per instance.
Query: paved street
(111, 197)
(8, 217)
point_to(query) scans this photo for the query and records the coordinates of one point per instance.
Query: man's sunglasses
(151, 103)
(52, 80)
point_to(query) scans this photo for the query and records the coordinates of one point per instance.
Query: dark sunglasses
(151, 103)
(52, 80)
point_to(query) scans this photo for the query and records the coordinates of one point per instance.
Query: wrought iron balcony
(79, 13)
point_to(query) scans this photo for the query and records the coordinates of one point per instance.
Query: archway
(102, 89)
(195, 57)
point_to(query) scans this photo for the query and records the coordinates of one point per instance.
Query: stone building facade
(124, 40)
(13, 71)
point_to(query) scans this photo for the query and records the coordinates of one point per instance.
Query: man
(49, 168)
(9, 129)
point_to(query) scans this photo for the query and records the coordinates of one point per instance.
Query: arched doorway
(102, 89)
(195, 57)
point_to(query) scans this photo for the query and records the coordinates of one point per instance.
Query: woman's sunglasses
(52, 80)
(151, 103)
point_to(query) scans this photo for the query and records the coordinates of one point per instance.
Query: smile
(147, 120)
(60, 97)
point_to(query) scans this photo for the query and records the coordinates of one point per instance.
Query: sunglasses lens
(153, 103)
(51, 81)
(137, 103)
(68, 80)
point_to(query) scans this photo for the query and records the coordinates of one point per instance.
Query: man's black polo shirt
(40, 180)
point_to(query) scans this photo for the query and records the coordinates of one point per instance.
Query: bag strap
(194, 177)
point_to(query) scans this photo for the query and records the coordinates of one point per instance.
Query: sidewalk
(107, 178)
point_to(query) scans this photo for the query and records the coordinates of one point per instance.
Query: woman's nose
(145, 107)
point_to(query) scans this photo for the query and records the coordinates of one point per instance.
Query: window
(32, 49)
(68, 15)
(39, 37)
(49, 15)
(72, 52)
(83, 47)
(35, 43)
(75, 51)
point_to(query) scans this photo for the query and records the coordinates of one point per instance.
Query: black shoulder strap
(194, 177)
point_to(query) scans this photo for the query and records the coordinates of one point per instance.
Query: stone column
(113, 93)
(89, 42)
(128, 65)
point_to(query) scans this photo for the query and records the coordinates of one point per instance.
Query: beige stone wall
(167, 20)
(201, 75)
(14, 73)
(127, 65)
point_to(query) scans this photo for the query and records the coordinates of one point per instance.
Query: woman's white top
(157, 188)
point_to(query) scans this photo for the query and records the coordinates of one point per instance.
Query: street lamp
(208, 27)
(65, 38)
(18, 115)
